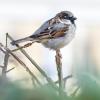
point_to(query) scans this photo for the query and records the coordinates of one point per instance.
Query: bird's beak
(74, 18)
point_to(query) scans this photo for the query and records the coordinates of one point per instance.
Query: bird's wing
(51, 30)
(43, 28)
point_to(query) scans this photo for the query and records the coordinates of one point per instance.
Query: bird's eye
(65, 17)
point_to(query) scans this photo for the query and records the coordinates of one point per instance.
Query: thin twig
(33, 81)
(6, 39)
(35, 64)
(22, 63)
(75, 92)
(22, 47)
(3, 50)
(64, 79)
(59, 70)
(4, 69)
(10, 70)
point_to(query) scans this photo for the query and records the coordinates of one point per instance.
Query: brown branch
(10, 70)
(22, 63)
(35, 64)
(75, 92)
(64, 79)
(22, 47)
(4, 69)
(59, 70)
(2, 50)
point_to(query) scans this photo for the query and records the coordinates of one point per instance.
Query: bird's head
(66, 17)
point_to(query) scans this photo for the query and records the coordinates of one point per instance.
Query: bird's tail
(22, 40)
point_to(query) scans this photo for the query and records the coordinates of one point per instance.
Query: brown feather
(53, 34)
(59, 33)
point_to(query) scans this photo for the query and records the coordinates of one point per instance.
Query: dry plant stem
(59, 70)
(35, 64)
(64, 79)
(2, 50)
(22, 63)
(10, 70)
(33, 81)
(4, 69)
(25, 46)
(75, 92)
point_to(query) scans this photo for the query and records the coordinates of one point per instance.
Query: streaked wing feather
(59, 33)
(49, 31)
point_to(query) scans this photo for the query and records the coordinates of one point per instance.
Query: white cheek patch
(67, 21)
(64, 21)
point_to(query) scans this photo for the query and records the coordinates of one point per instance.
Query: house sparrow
(54, 33)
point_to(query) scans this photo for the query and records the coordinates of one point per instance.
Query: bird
(55, 33)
